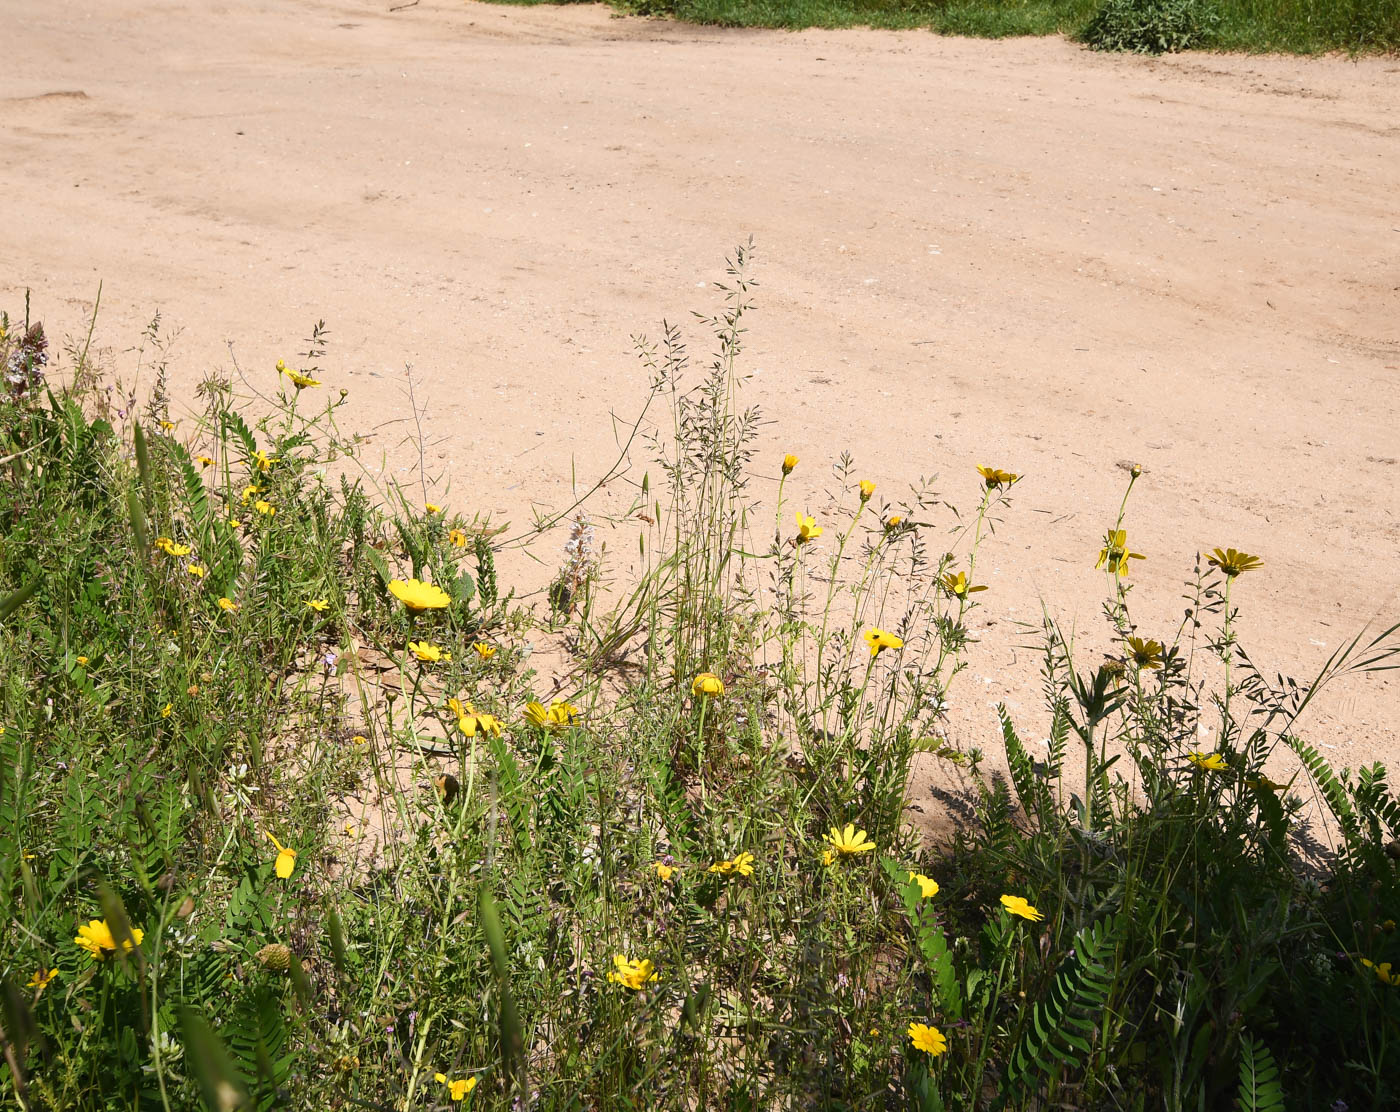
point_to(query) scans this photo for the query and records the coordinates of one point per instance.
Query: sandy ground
(1016, 253)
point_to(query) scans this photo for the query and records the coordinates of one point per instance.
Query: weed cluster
(1143, 26)
(288, 818)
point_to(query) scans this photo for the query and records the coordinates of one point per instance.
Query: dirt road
(1016, 253)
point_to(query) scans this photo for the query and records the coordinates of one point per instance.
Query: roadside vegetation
(1140, 26)
(289, 818)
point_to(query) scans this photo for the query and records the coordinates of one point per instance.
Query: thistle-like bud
(275, 957)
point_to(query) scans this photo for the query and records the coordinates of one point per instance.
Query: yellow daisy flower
(558, 715)
(928, 888)
(1233, 562)
(879, 640)
(427, 652)
(928, 1039)
(789, 462)
(630, 973)
(807, 528)
(849, 842)
(299, 380)
(96, 938)
(470, 720)
(958, 586)
(459, 1089)
(286, 857)
(1145, 654)
(707, 683)
(995, 478)
(417, 595)
(742, 864)
(1017, 905)
(1115, 553)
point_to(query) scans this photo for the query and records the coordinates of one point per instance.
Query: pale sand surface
(1017, 253)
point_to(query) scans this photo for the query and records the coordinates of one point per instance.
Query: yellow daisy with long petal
(849, 841)
(418, 595)
(1018, 905)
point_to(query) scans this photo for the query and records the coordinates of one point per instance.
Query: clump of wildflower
(418, 595)
(579, 567)
(742, 864)
(849, 841)
(708, 684)
(1018, 905)
(96, 938)
(928, 1039)
(1233, 562)
(1115, 554)
(630, 973)
(807, 528)
(24, 368)
(879, 640)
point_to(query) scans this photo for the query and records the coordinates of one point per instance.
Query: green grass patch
(1149, 26)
